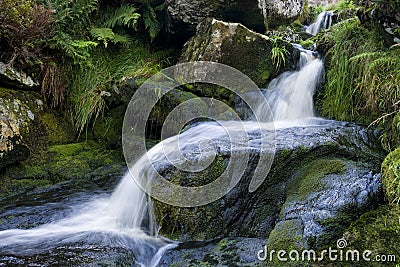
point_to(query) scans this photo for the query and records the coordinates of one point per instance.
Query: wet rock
(323, 177)
(225, 252)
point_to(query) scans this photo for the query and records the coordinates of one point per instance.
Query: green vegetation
(77, 161)
(391, 176)
(363, 76)
(68, 45)
(278, 54)
(377, 231)
(311, 175)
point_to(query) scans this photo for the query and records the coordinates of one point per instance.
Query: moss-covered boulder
(391, 176)
(379, 232)
(322, 177)
(27, 126)
(85, 161)
(235, 45)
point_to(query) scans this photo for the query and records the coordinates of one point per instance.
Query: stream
(84, 226)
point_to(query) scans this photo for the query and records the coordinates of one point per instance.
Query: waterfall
(126, 218)
(323, 22)
(290, 96)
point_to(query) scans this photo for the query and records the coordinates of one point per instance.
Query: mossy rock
(235, 45)
(391, 176)
(287, 236)
(78, 161)
(310, 178)
(108, 129)
(28, 127)
(377, 231)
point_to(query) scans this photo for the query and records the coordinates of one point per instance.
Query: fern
(150, 21)
(77, 50)
(74, 16)
(125, 15)
(107, 35)
(103, 34)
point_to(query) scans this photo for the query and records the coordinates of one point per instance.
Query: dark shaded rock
(225, 252)
(186, 15)
(257, 15)
(320, 174)
(15, 78)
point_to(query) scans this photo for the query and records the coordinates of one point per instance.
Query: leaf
(125, 15)
(103, 34)
(150, 21)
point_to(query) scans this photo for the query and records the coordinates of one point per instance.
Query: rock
(384, 15)
(236, 46)
(323, 177)
(185, 15)
(27, 127)
(390, 176)
(226, 252)
(377, 231)
(280, 12)
(15, 78)
(15, 118)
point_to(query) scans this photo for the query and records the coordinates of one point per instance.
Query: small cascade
(323, 22)
(290, 95)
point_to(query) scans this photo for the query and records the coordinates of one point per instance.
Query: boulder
(15, 117)
(323, 177)
(16, 78)
(186, 14)
(26, 126)
(281, 12)
(236, 46)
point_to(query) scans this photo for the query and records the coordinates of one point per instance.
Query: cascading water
(290, 96)
(126, 219)
(323, 22)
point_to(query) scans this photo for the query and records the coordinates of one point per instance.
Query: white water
(323, 22)
(126, 219)
(290, 96)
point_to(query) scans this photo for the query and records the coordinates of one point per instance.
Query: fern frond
(150, 21)
(125, 15)
(103, 34)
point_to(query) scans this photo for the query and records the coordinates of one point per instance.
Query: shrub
(24, 27)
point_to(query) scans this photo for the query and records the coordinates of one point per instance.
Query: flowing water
(125, 219)
(323, 22)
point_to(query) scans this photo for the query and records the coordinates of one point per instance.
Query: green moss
(287, 235)
(378, 231)
(309, 178)
(391, 176)
(59, 131)
(108, 129)
(307, 43)
(78, 161)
